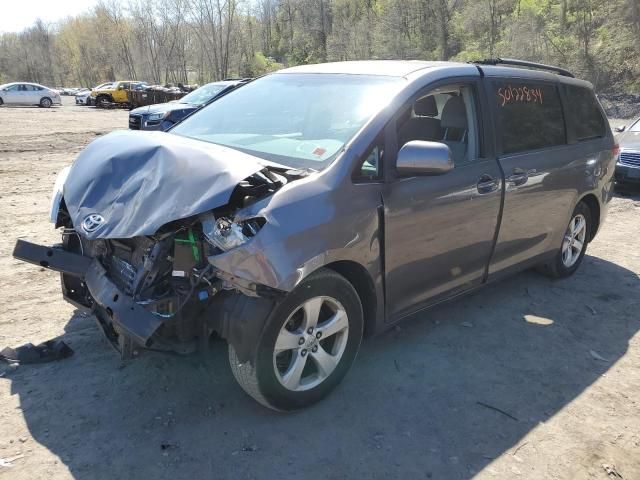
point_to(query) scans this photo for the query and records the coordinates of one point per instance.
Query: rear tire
(573, 246)
(308, 344)
(46, 102)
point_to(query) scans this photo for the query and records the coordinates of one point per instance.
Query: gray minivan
(323, 203)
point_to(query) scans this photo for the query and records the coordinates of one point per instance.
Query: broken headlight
(226, 233)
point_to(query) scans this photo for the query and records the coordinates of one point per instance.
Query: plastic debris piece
(597, 356)
(48, 351)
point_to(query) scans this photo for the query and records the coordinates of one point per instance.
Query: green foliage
(180, 40)
(259, 65)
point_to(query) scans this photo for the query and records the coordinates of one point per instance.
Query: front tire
(574, 244)
(102, 101)
(46, 102)
(308, 344)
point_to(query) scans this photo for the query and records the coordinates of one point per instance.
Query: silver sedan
(28, 94)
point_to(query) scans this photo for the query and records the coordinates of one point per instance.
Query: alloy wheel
(311, 343)
(574, 240)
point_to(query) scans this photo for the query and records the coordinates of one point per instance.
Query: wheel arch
(108, 95)
(359, 277)
(594, 207)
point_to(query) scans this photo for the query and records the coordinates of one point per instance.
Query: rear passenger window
(584, 114)
(529, 116)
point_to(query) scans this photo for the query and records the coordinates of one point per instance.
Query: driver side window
(445, 115)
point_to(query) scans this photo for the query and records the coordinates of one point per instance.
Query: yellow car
(115, 93)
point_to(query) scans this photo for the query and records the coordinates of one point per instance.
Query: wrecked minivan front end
(142, 263)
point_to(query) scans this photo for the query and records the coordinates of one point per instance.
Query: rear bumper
(125, 315)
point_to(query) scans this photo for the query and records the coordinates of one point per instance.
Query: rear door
(32, 94)
(537, 163)
(439, 230)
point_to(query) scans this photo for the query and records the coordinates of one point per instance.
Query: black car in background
(628, 166)
(164, 115)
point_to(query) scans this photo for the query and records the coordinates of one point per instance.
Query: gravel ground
(530, 378)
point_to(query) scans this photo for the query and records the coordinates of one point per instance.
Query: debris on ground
(48, 351)
(518, 449)
(499, 410)
(597, 356)
(6, 462)
(467, 324)
(611, 471)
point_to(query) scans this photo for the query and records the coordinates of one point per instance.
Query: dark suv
(322, 203)
(162, 116)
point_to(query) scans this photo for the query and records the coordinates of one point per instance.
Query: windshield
(203, 94)
(296, 120)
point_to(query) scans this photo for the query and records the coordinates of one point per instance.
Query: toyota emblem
(92, 222)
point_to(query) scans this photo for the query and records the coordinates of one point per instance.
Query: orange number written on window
(522, 94)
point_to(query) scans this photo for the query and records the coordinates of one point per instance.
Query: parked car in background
(116, 93)
(628, 166)
(69, 90)
(89, 100)
(25, 93)
(82, 95)
(320, 203)
(164, 115)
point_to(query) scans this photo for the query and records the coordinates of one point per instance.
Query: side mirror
(620, 129)
(424, 158)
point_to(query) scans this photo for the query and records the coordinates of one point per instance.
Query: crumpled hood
(138, 181)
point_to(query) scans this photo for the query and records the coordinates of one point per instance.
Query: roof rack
(524, 63)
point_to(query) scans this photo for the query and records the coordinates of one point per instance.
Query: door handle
(487, 184)
(519, 177)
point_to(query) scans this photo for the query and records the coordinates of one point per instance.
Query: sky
(16, 15)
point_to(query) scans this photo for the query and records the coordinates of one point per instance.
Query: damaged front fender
(304, 234)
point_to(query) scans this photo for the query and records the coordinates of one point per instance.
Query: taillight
(616, 150)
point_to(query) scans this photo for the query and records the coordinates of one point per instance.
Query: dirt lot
(530, 378)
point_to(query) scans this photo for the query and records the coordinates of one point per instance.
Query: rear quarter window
(584, 115)
(529, 116)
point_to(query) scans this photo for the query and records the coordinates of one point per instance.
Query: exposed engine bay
(168, 273)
